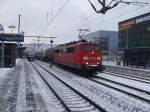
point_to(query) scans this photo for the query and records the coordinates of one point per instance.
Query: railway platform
(35, 87)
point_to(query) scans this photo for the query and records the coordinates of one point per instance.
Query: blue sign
(11, 37)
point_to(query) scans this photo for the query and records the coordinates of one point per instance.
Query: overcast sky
(38, 17)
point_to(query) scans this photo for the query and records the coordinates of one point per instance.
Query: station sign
(11, 37)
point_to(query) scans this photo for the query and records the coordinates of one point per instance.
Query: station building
(134, 40)
(10, 54)
(9, 49)
(135, 32)
(108, 40)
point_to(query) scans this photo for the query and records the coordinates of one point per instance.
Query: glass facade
(135, 32)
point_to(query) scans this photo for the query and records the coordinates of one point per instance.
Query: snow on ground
(18, 61)
(111, 63)
(111, 100)
(114, 64)
(4, 71)
(129, 82)
(30, 83)
(18, 89)
(44, 91)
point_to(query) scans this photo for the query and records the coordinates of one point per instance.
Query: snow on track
(128, 71)
(129, 82)
(72, 99)
(111, 100)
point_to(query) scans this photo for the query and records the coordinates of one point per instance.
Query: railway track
(70, 98)
(129, 76)
(129, 90)
(93, 87)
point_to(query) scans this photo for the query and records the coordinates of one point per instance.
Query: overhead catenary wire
(118, 9)
(97, 25)
(146, 2)
(102, 23)
(47, 17)
(51, 12)
(56, 15)
(90, 21)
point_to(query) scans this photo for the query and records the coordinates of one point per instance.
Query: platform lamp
(23, 33)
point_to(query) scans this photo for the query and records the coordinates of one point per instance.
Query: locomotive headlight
(87, 63)
(98, 58)
(85, 58)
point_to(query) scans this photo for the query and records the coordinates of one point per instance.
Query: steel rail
(80, 94)
(115, 88)
(127, 76)
(57, 96)
(119, 83)
(121, 90)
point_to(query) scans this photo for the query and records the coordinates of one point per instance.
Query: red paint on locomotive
(82, 55)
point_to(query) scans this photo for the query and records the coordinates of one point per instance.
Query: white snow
(110, 99)
(111, 63)
(114, 64)
(133, 83)
(45, 92)
(4, 71)
(17, 61)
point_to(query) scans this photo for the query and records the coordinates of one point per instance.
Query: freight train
(85, 56)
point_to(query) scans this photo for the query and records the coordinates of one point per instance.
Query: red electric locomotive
(82, 55)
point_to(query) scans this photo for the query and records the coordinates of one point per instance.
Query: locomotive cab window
(90, 47)
(96, 47)
(86, 47)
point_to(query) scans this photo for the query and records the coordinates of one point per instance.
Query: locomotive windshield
(96, 47)
(91, 47)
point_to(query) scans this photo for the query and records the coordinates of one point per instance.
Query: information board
(11, 37)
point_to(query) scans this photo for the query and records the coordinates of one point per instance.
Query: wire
(59, 11)
(47, 17)
(102, 21)
(112, 19)
(99, 16)
(146, 2)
